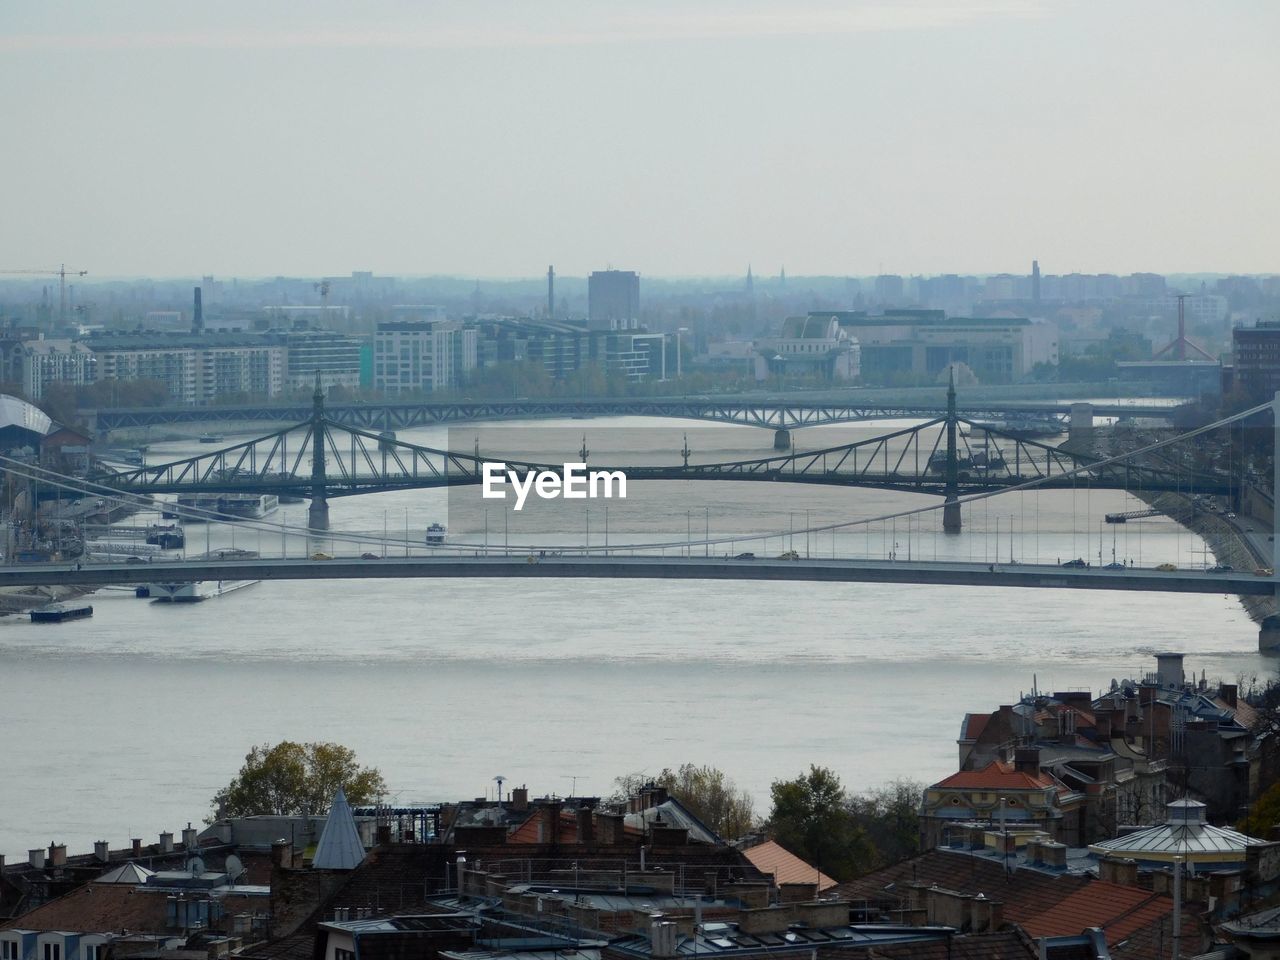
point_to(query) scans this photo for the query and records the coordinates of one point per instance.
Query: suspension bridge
(948, 456)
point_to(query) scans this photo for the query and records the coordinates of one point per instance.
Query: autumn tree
(296, 779)
(811, 818)
(705, 791)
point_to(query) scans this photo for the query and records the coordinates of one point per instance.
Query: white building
(44, 362)
(809, 346)
(196, 368)
(418, 356)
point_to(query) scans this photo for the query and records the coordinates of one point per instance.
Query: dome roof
(18, 413)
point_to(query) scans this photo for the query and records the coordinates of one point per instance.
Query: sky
(491, 138)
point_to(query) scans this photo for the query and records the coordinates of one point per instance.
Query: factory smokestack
(551, 292)
(197, 319)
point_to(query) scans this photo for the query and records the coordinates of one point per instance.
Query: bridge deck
(649, 568)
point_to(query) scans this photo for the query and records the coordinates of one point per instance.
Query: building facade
(916, 346)
(419, 356)
(1256, 358)
(613, 300)
(195, 368)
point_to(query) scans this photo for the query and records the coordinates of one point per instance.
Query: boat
(57, 612)
(247, 506)
(211, 438)
(436, 533)
(166, 536)
(193, 591)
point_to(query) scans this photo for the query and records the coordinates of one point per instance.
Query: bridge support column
(951, 508)
(1080, 428)
(782, 439)
(951, 517)
(318, 514)
(1269, 634)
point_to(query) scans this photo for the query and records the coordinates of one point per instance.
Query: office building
(613, 300)
(902, 347)
(196, 368)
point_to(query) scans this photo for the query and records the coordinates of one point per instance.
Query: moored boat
(436, 533)
(57, 612)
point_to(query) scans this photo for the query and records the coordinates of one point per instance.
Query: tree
(812, 819)
(890, 819)
(296, 779)
(705, 791)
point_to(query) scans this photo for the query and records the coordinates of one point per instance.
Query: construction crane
(61, 274)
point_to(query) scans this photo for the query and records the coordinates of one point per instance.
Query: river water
(126, 724)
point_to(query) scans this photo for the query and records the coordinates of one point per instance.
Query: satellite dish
(196, 866)
(234, 868)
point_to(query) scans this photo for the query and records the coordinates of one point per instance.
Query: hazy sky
(491, 138)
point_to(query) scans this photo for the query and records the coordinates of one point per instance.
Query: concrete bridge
(645, 567)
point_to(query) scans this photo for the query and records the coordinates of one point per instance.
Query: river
(126, 724)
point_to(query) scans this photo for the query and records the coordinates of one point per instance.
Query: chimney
(586, 835)
(1228, 692)
(611, 828)
(137, 847)
(1118, 870)
(189, 838)
(57, 854)
(1, 863)
(166, 842)
(662, 937)
(520, 799)
(101, 851)
(36, 858)
(551, 292)
(281, 854)
(197, 318)
(1053, 854)
(1027, 760)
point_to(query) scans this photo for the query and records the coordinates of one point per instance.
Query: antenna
(573, 779)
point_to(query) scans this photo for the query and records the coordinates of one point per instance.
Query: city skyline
(915, 139)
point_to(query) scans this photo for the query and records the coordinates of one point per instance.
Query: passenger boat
(248, 506)
(193, 591)
(436, 533)
(211, 438)
(57, 612)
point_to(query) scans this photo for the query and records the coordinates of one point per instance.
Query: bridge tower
(318, 512)
(951, 509)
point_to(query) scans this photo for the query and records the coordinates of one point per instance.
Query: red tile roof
(997, 775)
(784, 866)
(974, 724)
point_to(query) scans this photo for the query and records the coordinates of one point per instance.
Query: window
(53, 951)
(340, 954)
(8, 950)
(93, 951)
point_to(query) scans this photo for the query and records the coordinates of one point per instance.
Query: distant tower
(782, 277)
(551, 302)
(1035, 281)
(197, 318)
(751, 284)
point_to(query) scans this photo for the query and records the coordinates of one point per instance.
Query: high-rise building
(613, 300)
(1035, 281)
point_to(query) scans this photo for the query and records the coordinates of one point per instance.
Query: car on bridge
(1115, 565)
(1220, 568)
(745, 556)
(1077, 562)
(321, 556)
(1167, 567)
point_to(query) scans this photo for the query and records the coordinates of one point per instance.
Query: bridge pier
(1269, 634)
(951, 517)
(782, 439)
(318, 514)
(1080, 427)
